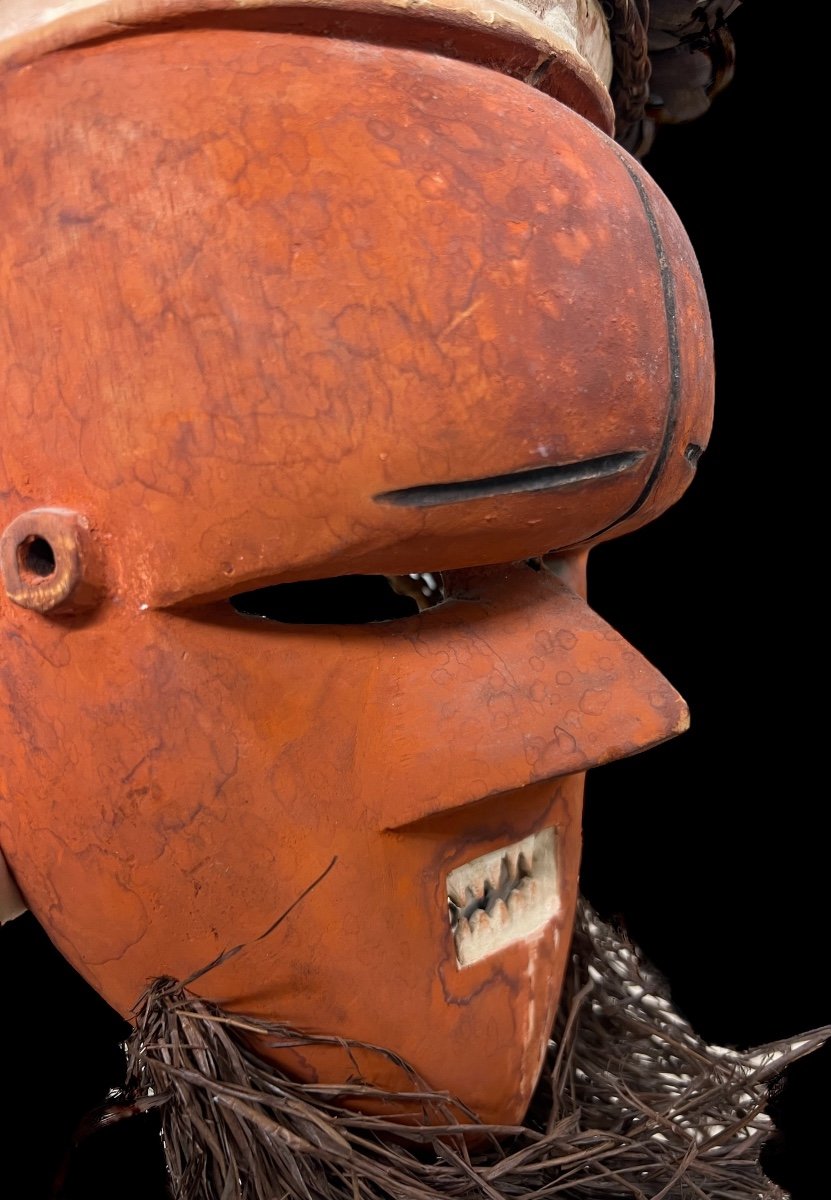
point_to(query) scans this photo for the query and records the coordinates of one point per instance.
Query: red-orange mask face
(309, 346)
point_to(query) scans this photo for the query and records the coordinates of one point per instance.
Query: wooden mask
(325, 362)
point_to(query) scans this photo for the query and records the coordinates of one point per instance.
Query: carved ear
(48, 562)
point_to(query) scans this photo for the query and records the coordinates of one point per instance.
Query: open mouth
(503, 897)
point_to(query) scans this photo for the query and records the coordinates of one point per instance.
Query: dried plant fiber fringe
(632, 1104)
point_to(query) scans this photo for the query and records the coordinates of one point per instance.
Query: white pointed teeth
(503, 897)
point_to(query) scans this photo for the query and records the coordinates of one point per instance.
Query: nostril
(36, 558)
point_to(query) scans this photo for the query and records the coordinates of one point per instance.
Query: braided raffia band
(670, 60)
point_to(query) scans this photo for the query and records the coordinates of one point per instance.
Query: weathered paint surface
(253, 284)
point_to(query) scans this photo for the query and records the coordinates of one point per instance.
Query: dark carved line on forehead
(535, 479)
(671, 317)
(671, 312)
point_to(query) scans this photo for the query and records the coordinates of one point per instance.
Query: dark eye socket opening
(344, 600)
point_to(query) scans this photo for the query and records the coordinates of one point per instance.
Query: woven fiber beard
(632, 1103)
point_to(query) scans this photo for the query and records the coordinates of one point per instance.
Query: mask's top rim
(571, 37)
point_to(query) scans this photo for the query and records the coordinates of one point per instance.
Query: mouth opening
(344, 600)
(503, 897)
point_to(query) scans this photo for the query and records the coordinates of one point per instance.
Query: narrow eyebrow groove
(535, 479)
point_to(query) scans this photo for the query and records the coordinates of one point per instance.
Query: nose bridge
(513, 681)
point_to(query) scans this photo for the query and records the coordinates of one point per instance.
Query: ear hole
(36, 558)
(49, 563)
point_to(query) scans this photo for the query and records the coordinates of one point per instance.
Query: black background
(710, 849)
(713, 848)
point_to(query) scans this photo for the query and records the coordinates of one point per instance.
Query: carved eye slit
(344, 600)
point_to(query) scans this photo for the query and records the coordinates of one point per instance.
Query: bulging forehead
(388, 313)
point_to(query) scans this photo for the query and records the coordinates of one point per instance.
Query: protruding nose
(511, 681)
